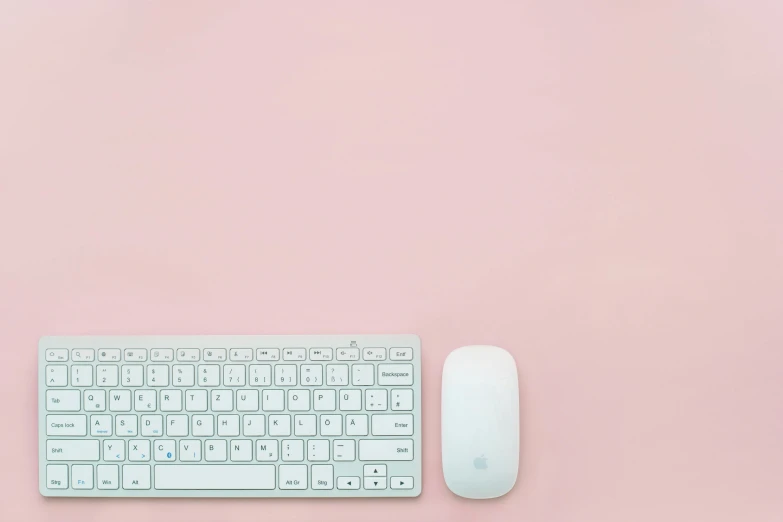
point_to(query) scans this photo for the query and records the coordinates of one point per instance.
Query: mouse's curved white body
(480, 421)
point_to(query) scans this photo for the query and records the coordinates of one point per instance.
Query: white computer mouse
(480, 421)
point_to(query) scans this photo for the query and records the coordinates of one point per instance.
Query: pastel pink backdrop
(595, 186)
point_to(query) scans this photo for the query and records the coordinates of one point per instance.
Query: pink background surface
(595, 186)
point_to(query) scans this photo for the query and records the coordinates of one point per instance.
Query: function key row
(227, 354)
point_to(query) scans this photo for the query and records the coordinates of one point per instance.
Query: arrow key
(375, 470)
(374, 482)
(401, 482)
(348, 482)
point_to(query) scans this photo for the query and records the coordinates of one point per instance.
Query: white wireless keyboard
(230, 416)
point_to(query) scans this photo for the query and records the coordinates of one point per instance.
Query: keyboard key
(400, 424)
(135, 354)
(318, 450)
(293, 476)
(109, 355)
(82, 355)
(374, 354)
(63, 400)
(401, 354)
(347, 354)
(375, 470)
(228, 425)
(322, 476)
(218, 476)
(253, 426)
(260, 375)
(137, 476)
(94, 400)
(196, 400)
(374, 482)
(324, 400)
(268, 354)
(57, 476)
(401, 482)
(157, 375)
(114, 449)
(108, 476)
(350, 400)
(402, 400)
(132, 375)
(293, 450)
(337, 374)
(247, 400)
(56, 375)
(81, 375)
(171, 400)
(321, 354)
(395, 374)
(294, 354)
(119, 400)
(101, 425)
(266, 450)
(145, 400)
(107, 374)
(356, 425)
(279, 425)
(77, 450)
(285, 374)
(151, 425)
(66, 425)
(273, 400)
(162, 355)
(385, 449)
(241, 354)
(311, 374)
(344, 450)
(348, 482)
(57, 355)
(298, 400)
(222, 400)
(215, 354)
(190, 450)
(177, 425)
(183, 375)
(188, 354)
(375, 400)
(304, 425)
(165, 451)
(233, 375)
(331, 425)
(138, 450)
(362, 374)
(203, 425)
(241, 450)
(208, 375)
(81, 476)
(126, 425)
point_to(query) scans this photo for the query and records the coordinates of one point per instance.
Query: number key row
(186, 375)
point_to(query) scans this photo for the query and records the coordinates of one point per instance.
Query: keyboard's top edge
(52, 341)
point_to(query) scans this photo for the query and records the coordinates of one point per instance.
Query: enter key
(400, 424)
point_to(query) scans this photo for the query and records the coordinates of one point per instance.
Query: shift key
(386, 449)
(72, 450)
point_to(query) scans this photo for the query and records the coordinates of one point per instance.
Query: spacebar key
(197, 476)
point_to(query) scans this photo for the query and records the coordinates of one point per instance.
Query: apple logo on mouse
(480, 462)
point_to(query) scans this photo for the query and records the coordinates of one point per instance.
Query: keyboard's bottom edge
(276, 493)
